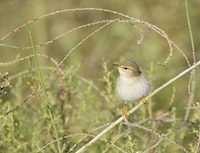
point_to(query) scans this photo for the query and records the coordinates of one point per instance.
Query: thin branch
(4, 64)
(153, 27)
(46, 100)
(79, 141)
(158, 135)
(190, 30)
(192, 83)
(82, 134)
(65, 34)
(80, 43)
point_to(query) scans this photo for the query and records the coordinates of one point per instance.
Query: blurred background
(82, 94)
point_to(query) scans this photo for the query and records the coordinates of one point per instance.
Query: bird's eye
(125, 68)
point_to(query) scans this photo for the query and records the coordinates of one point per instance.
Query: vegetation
(57, 82)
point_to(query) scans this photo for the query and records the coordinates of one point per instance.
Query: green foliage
(48, 106)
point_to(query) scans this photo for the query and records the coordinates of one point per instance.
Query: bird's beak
(115, 64)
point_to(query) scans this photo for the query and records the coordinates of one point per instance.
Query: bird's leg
(125, 111)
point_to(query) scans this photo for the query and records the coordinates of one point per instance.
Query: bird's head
(128, 68)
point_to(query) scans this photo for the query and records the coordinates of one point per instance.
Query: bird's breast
(132, 89)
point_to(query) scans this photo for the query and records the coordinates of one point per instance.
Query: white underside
(132, 89)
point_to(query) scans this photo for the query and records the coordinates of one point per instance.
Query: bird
(132, 84)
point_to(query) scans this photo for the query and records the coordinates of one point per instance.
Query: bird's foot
(125, 110)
